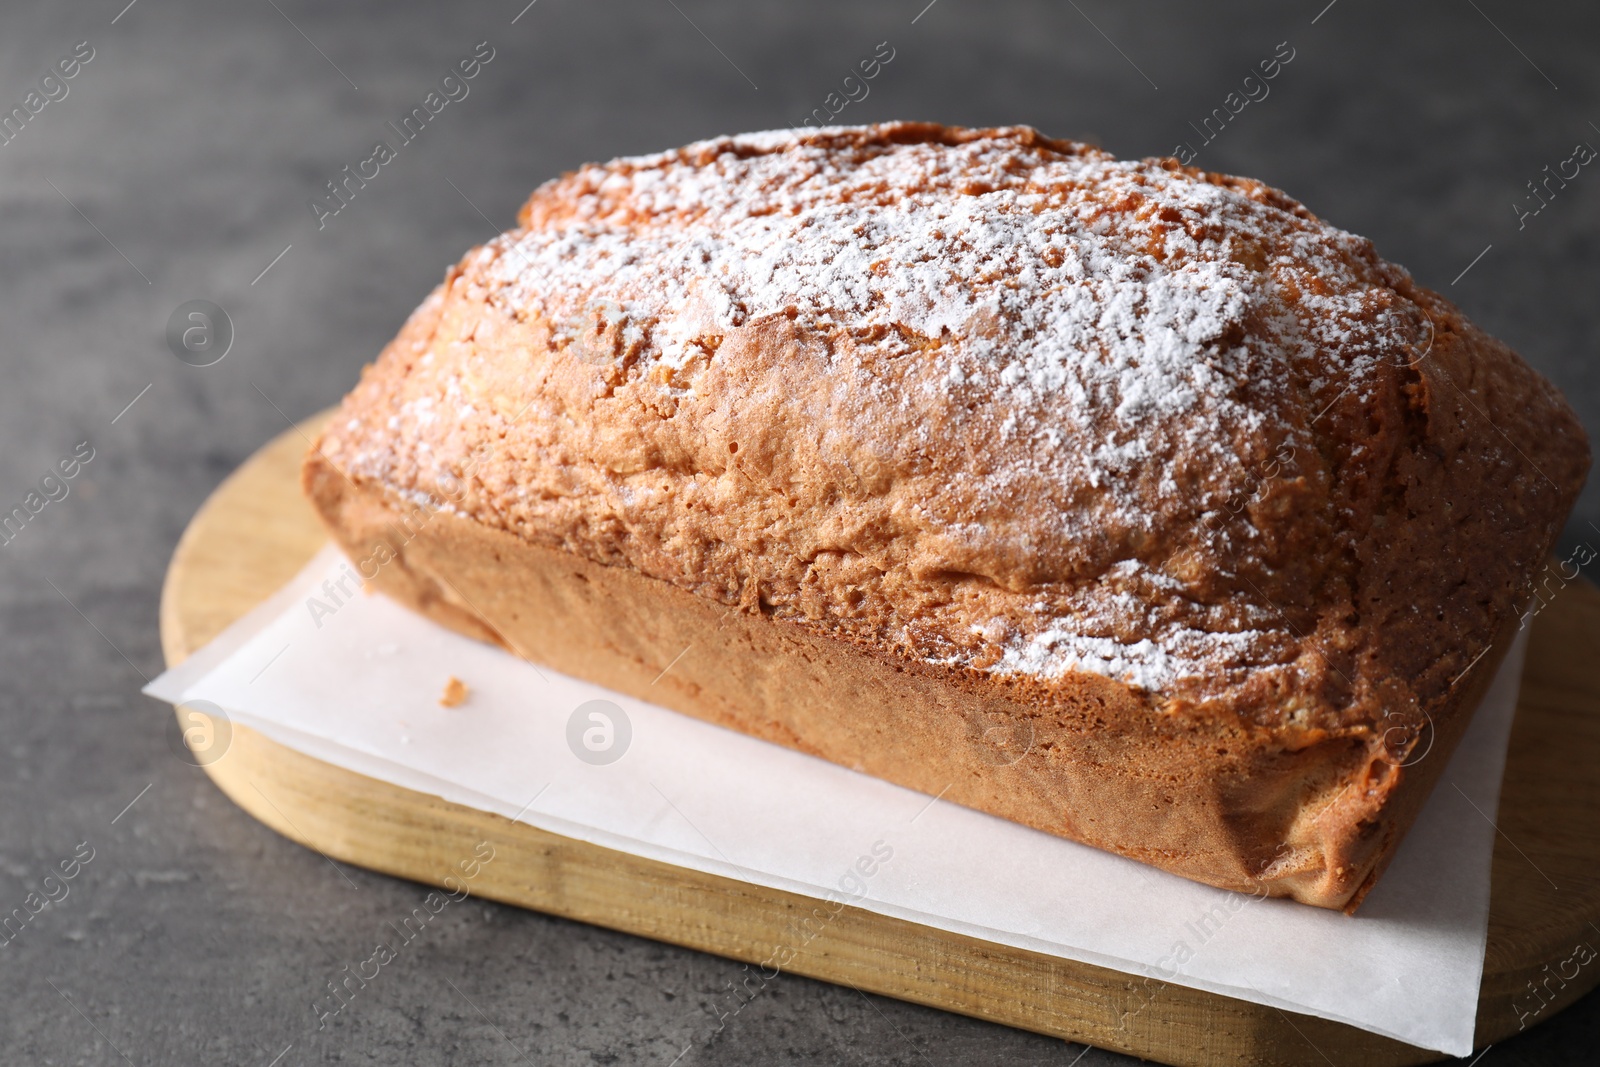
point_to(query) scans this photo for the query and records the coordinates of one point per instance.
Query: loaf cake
(1124, 500)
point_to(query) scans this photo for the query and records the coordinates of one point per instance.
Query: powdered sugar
(1060, 650)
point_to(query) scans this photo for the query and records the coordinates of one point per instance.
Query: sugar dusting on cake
(1107, 341)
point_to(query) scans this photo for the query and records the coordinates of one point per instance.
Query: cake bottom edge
(1096, 762)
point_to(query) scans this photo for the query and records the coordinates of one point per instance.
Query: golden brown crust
(1149, 462)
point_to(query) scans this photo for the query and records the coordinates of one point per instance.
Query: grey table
(178, 163)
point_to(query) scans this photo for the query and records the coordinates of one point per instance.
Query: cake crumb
(455, 693)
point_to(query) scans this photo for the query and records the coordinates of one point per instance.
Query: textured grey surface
(193, 141)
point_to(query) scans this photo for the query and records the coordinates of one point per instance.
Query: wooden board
(256, 531)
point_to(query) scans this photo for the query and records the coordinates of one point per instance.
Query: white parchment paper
(360, 688)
